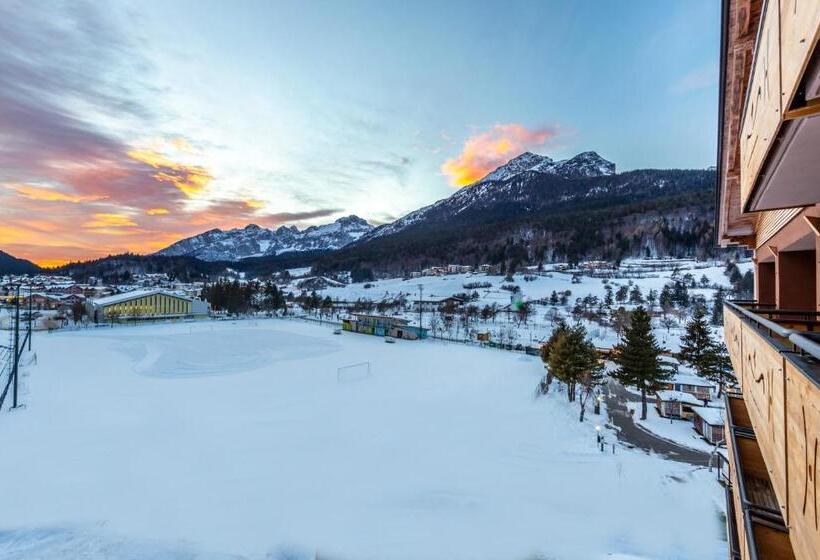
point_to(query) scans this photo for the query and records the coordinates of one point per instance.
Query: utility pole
(421, 306)
(16, 345)
(29, 316)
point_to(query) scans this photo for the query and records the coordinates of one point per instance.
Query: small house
(692, 384)
(709, 423)
(382, 325)
(675, 404)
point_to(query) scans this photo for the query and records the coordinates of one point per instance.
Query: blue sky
(183, 115)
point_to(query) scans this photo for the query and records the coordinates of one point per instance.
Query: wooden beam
(809, 109)
(773, 249)
(814, 223)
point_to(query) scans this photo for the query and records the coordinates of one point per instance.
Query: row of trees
(235, 297)
(572, 358)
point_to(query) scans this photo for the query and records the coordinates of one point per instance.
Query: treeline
(240, 298)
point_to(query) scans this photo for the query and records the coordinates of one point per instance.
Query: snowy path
(237, 440)
(632, 433)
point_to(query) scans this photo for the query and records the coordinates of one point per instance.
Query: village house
(709, 423)
(692, 384)
(675, 404)
(437, 303)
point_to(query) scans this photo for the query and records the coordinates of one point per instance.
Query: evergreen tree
(717, 307)
(718, 366)
(696, 343)
(637, 357)
(574, 360)
(559, 331)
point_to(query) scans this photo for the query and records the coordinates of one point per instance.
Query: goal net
(353, 372)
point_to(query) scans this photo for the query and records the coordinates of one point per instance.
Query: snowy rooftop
(127, 296)
(710, 415)
(679, 396)
(689, 379)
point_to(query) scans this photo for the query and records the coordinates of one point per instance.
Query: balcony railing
(760, 528)
(774, 429)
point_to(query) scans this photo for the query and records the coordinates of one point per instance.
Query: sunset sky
(128, 125)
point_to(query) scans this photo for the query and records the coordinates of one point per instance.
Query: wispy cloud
(487, 150)
(695, 80)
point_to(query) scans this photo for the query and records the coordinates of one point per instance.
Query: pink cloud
(483, 152)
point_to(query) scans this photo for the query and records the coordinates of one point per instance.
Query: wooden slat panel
(772, 221)
(799, 25)
(731, 333)
(772, 543)
(764, 392)
(803, 409)
(762, 113)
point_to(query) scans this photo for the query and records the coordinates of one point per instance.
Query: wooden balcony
(760, 530)
(781, 113)
(774, 428)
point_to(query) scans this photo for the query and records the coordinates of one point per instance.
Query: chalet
(709, 423)
(768, 202)
(437, 303)
(692, 384)
(675, 404)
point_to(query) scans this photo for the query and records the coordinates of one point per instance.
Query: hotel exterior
(768, 199)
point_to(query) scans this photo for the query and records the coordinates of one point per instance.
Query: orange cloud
(157, 211)
(48, 194)
(255, 204)
(484, 152)
(104, 220)
(190, 179)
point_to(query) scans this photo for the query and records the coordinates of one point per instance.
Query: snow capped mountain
(257, 241)
(527, 161)
(585, 164)
(519, 182)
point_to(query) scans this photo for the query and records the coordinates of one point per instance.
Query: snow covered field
(540, 286)
(240, 439)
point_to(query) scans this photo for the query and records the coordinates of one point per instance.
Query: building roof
(679, 396)
(711, 415)
(689, 379)
(128, 296)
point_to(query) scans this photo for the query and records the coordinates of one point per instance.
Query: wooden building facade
(768, 200)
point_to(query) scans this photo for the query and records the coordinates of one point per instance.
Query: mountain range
(255, 241)
(530, 209)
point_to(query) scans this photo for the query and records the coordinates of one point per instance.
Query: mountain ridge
(257, 241)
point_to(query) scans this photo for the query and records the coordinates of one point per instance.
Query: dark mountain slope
(13, 265)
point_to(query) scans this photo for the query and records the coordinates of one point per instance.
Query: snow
(678, 396)
(713, 416)
(678, 430)
(540, 287)
(236, 440)
(127, 296)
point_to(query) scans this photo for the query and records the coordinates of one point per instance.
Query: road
(630, 433)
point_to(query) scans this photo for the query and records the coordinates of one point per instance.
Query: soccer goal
(353, 372)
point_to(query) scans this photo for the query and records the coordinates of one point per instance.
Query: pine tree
(559, 331)
(717, 307)
(696, 343)
(637, 357)
(574, 360)
(718, 366)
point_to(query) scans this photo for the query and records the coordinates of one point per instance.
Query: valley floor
(244, 439)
